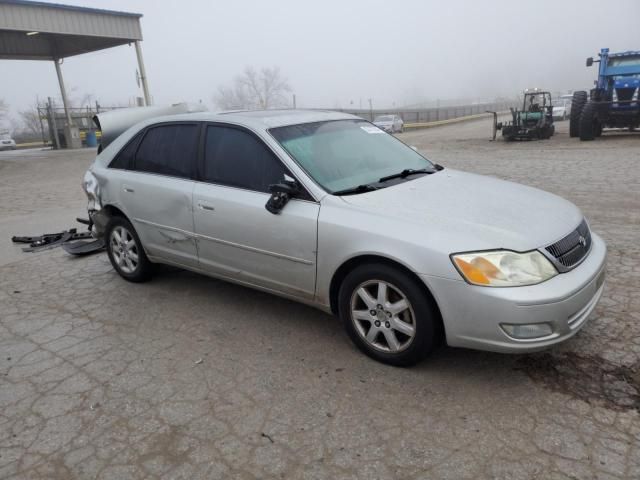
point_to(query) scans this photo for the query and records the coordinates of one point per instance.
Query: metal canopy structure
(47, 31)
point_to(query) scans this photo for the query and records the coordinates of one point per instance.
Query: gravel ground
(189, 377)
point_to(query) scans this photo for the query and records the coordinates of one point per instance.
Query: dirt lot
(189, 377)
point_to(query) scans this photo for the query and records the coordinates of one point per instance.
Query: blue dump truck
(614, 102)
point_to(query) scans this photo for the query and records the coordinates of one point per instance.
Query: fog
(341, 53)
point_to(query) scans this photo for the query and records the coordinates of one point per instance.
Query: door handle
(205, 206)
(128, 189)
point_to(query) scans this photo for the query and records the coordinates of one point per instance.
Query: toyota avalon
(326, 209)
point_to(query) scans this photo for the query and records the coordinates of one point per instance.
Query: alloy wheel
(124, 249)
(383, 316)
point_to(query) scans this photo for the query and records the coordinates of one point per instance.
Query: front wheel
(578, 102)
(125, 251)
(388, 315)
(589, 124)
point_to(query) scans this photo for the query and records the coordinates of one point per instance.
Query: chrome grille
(572, 249)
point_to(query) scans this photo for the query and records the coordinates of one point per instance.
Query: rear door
(157, 190)
(237, 236)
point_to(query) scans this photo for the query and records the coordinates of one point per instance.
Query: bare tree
(232, 98)
(30, 118)
(4, 108)
(255, 90)
(5, 121)
(78, 99)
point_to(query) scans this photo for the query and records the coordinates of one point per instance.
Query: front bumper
(472, 315)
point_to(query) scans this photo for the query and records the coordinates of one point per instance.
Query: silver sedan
(326, 209)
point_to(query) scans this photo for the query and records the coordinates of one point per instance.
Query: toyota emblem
(582, 241)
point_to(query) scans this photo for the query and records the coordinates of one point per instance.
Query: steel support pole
(143, 74)
(63, 91)
(52, 125)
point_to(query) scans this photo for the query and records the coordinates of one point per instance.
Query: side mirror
(439, 167)
(589, 61)
(281, 193)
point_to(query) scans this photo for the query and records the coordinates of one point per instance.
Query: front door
(237, 237)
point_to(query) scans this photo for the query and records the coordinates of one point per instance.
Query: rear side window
(124, 159)
(169, 150)
(236, 158)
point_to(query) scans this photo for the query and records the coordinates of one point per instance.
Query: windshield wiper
(405, 173)
(359, 189)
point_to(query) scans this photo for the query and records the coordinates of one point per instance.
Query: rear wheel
(388, 315)
(125, 251)
(578, 102)
(589, 122)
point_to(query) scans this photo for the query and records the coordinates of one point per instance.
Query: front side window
(343, 154)
(169, 150)
(236, 158)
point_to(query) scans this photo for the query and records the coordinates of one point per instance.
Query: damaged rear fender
(99, 214)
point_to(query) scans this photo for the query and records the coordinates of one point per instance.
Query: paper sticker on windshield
(371, 129)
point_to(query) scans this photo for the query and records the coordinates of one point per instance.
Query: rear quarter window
(124, 159)
(169, 150)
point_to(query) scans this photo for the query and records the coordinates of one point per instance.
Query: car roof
(259, 119)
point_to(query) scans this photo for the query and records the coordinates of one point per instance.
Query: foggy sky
(338, 52)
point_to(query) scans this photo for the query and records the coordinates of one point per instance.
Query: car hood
(467, 211)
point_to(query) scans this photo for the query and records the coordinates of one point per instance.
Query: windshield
(625, 61)
(343, 154)
(384, 118)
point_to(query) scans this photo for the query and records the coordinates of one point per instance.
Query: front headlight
(503, 268)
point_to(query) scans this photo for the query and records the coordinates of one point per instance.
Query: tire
(588, 122)
(125, 251)
(578, 102)
(545, 132)
(599, 129)
(394, 335)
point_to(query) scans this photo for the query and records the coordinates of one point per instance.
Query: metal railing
(435, 114)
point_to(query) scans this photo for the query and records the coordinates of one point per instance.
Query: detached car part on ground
(534, 121)
(614, 102)
(326, 209)
(71, 241)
